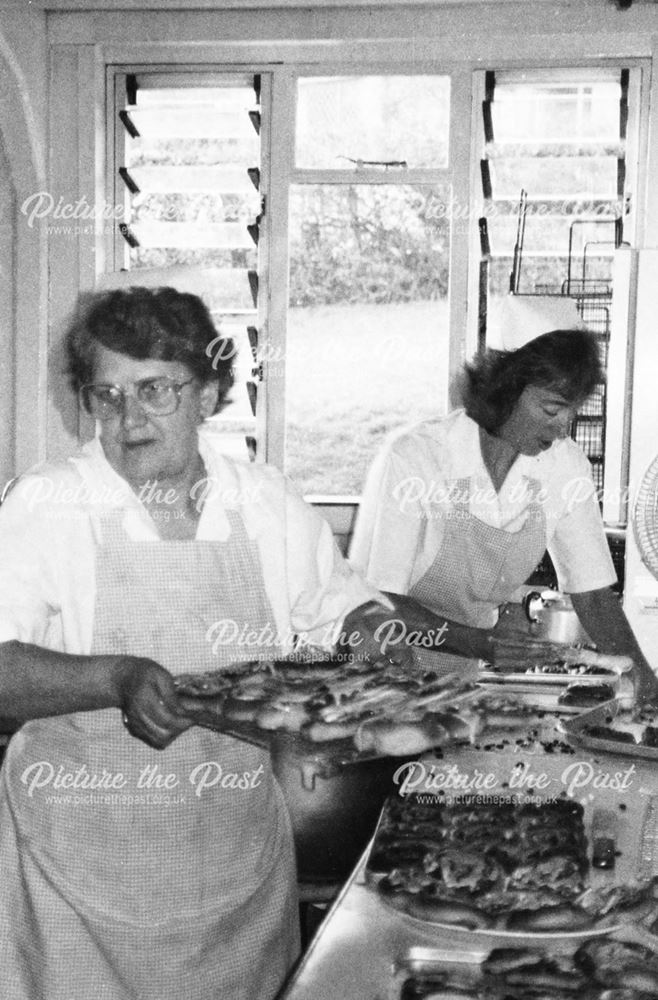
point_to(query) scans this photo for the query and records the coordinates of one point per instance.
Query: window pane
(190, 164)
(367, 346)
(556, 112)
(555, 236)
(582, 177)
(557, 136)
(344, 120)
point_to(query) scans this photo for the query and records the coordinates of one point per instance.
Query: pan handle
(531, 602)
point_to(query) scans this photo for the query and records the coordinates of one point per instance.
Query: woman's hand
(373, 633)
(603, 618)
(394, 634)
(152, 711)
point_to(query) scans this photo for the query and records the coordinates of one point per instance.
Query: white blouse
(50, 528)
(412, 491)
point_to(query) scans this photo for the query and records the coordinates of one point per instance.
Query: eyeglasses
(160, 396)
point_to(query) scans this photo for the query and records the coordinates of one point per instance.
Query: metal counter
(354, 952)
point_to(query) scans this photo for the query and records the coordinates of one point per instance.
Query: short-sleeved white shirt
(50, 529)
(412, 487)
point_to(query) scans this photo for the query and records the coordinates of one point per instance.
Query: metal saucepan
(552, 617)
(334, 810)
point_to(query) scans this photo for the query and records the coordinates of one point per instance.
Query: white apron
(136, 890)
(477, 568)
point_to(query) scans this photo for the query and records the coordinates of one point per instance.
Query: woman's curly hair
(159, 323)
(566, 361)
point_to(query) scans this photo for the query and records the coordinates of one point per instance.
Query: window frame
(459, 182)
(279, 173)
(616, 483)
(462, 172)
(285, 173)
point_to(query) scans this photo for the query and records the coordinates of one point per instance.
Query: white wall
(23, 274)
(7, 338)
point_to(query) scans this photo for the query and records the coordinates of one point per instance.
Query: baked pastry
(608, 733)
(471, 865)
(586, 695)
(601, 969)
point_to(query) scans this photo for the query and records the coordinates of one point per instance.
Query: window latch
(386, 164)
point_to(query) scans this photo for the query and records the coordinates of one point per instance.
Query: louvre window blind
(189, 181)
(555, 200)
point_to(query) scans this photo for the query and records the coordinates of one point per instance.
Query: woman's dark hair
(159, 323)
(566, 361)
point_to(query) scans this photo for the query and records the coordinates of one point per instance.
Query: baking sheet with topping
(610, 798)
(582, 670)
(340, 713)
(333, 710)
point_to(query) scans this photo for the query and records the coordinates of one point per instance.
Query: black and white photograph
(328, 500)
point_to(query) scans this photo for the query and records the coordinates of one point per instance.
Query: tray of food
(611, 728)
(546, 696)
(349, 711)
(482, 855)
(574, 677)
(602, 968)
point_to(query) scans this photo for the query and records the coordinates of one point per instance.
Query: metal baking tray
(623, 790)
(551, 684)
(461, 974)
(543, 692)
(490, 674)
(611, 715)
(329, 756)
(538, 701)
(422, 961)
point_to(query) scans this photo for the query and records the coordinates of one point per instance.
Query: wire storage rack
(593, 298)
(594, 301)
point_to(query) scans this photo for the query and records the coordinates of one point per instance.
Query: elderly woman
(458, 512)
(142, 856)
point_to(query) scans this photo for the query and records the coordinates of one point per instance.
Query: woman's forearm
(447, 636)
(37, 682)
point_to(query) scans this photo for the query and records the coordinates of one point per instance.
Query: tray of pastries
(505, 865)
(351, 710)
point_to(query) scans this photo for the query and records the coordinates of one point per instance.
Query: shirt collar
(469, 456)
